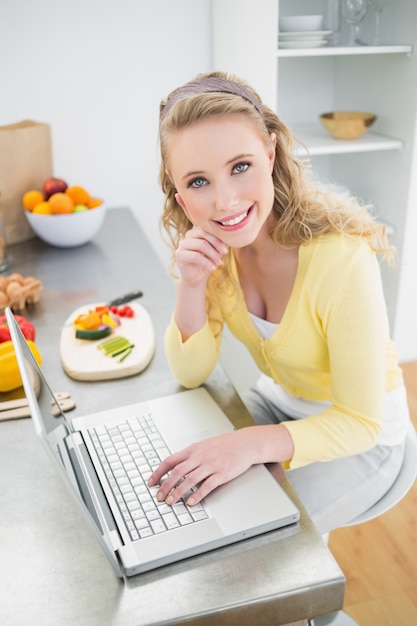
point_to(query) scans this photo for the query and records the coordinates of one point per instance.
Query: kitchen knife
(133, 295)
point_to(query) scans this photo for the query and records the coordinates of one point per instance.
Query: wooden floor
(379, 558)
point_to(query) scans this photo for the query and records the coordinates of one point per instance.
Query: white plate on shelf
(314, 43)
(301, 36)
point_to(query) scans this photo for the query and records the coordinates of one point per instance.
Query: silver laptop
(106, 458)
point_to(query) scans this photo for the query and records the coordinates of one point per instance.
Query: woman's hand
(198, 255)
(215, 461)
(209, 463)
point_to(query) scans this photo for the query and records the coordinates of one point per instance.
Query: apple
(79, 208)
(54, 185)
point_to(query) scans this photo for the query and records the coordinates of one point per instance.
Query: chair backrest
(401, 486)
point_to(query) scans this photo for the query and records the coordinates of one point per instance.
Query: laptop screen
(35, 384)
(56, 433)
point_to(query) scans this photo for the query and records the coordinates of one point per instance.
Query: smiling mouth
(235, 220)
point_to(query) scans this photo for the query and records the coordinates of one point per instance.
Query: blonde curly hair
(303, 209)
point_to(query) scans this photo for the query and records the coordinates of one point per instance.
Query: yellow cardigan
(332, 344)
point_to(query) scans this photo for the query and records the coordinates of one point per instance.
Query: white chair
(399, 489)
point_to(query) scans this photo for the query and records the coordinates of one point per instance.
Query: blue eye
(197, 183)
(239, 168)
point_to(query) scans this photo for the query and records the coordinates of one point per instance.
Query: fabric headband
(210, 84)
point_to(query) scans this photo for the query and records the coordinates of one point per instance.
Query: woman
(293, 271)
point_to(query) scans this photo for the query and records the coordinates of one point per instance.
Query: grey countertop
(52, 571)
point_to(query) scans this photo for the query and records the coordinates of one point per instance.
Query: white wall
(96, 70)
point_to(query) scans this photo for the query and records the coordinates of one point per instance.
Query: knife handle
(133, 295)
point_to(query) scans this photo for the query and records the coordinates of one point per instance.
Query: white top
(396, 414)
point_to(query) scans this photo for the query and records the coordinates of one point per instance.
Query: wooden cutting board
(82, 360)
(17, 397)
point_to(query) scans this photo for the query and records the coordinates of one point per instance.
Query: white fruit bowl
(70, 230)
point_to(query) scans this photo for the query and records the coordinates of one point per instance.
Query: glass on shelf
(333, 20)
(353, 12)
(378, 6)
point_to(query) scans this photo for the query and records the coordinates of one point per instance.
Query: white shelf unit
(343, 51)
(318, 142)
(300, 84)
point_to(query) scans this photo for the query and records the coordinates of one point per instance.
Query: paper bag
(25, 163)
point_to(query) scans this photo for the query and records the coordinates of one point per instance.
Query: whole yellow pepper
(9, 371)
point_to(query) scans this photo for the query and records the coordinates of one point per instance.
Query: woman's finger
(215, 242)
(208, 245)
(167, 464)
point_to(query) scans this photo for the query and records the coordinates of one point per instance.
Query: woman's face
(222, 171)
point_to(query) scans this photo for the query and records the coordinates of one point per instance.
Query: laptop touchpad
(190, 438)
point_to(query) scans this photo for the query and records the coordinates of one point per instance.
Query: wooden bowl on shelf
(347, 124)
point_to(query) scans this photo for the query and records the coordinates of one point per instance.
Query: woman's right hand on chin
(198, 255)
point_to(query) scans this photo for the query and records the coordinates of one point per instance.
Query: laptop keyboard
(129, 452)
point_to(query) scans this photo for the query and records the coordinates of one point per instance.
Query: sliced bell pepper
(93, 321)
(102, 309)
(108, 320)
(87, 321)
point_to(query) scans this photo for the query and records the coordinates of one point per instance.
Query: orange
(42, 208)
(32, 198)
(94, 202)
(78, 194)
(60, 203)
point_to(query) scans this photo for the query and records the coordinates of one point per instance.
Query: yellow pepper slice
(88, 321)
(108, 320)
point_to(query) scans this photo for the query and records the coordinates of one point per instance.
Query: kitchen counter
(52, 570)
